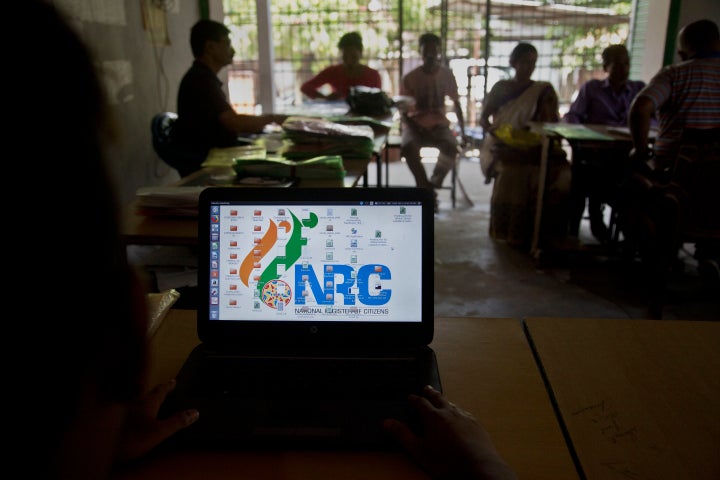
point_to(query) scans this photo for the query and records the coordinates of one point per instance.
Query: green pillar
(672, 31)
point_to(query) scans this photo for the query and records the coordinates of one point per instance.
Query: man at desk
(205, 117)
(604, 102)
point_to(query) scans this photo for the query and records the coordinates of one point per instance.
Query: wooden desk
(157, 230)
(601, 136)
(640, 399)
(582, 138)
(486, 366)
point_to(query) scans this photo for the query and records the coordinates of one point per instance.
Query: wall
(691, 10)
(648, 48)
(141, 75)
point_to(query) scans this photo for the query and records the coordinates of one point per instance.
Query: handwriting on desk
(606, 420)
(621, 468)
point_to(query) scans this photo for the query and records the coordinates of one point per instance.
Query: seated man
(205, 117)
(348, 74)
(604, 102)
(424, 122)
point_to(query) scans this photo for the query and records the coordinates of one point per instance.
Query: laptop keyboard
(312, 378)
(326, 402)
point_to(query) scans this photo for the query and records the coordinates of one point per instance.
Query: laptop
(315, 316)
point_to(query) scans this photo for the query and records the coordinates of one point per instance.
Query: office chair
(697, 171)
(183, 161)
(683, 208)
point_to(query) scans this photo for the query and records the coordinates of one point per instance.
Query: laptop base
(321, 401)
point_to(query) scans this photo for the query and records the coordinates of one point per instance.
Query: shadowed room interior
(477, 276)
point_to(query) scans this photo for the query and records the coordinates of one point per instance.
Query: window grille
(477, 35)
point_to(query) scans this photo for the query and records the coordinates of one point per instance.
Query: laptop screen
(323, 258)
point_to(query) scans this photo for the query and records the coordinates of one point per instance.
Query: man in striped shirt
(686, 95)
(667, 194)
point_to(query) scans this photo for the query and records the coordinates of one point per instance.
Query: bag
(508, 145)
(369, 101)
(520, 139)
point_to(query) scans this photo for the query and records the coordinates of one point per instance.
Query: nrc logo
(365, 287)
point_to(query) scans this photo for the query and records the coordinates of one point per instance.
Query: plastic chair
(456, 183)
(453, 182)
(181, 160)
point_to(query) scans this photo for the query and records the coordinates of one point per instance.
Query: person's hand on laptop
(144, 431)
(448, 442)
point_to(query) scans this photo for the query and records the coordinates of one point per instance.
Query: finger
(165, 428)
(162, 389)
(435, 398)
(419, 403)
(140, 442)
(401, 433)
(423, 408)
(154, 399)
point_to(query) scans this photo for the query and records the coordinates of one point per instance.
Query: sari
(511, 156)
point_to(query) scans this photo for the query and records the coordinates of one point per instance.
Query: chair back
(185, 162)
(697, 171)
(161, 127)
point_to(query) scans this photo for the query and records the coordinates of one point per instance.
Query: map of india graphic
(274, 292)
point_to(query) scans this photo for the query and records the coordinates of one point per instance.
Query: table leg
(534, 247)
(378, 163)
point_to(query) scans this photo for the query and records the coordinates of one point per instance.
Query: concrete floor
(477, 276)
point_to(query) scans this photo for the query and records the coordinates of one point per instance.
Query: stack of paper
(159, 304)
(168, 200)
(572, 131)
(224, 157)
(378, 125)
(313, 137)
(325, 166)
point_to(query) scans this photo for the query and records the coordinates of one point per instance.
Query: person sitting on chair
(424, 121)
(341, 77)
(511, 156)
(686, 96)
(605, 102)
(205, 117)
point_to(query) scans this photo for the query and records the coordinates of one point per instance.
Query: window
(478, 36)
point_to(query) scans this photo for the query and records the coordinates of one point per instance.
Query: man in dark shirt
(205, 117)
(605, 102)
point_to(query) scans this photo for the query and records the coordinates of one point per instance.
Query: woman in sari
(511, 156)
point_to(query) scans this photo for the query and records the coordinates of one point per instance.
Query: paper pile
(313, 137)
(168, 200)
